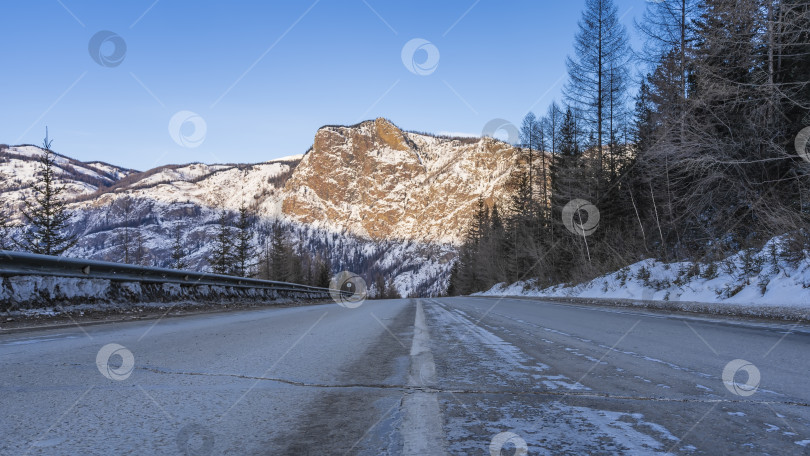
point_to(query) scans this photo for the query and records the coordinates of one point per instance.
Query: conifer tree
(46, 215)
(391, 291)
(124, 207)
(530, 141)
(566, 185)
(324, 272)
(140, 251)
(243, 248)
(4, 228)
(379, 286)
(279, 254)
(598, 74)
(222, 254)
(178, 250)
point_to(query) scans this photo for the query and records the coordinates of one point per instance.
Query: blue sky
(262, 76)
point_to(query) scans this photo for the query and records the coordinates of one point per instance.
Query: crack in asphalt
(423, 389)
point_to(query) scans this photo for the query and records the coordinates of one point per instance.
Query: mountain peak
(376, 134)
(377, 180)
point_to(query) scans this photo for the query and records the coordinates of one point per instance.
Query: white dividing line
(422, 427)
(421, 336)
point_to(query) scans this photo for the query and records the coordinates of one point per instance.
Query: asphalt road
(448, 376)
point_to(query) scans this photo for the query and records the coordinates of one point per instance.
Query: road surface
(473, 376)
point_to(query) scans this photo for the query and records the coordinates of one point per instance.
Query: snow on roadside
(754, 278)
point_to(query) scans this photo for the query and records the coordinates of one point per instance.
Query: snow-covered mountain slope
(371, 179)
(18, 165)
(378, 199)
(214, 186)
(762, 278)
(415, 268)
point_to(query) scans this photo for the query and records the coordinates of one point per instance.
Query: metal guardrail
(21, 263)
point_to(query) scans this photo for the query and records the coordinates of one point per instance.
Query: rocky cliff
(376, 180)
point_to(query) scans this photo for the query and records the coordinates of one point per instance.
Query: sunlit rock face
(376, 180)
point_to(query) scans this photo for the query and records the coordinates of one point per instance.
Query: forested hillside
(699, 156)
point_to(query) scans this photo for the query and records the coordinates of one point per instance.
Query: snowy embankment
(762, 283)
(24, 293)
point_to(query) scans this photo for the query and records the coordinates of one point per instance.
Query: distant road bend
(479, 376)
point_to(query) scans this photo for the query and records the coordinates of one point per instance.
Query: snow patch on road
(606, 347)
(557, 428)
(510, 363)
